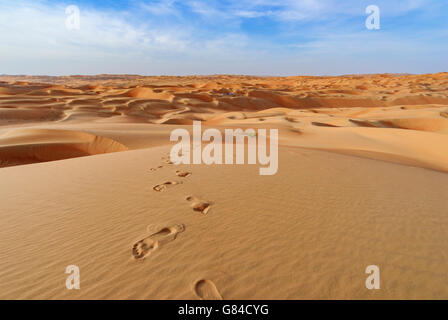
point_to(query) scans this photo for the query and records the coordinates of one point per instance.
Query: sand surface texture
(86, 180)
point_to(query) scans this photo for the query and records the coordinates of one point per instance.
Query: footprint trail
(144, 247)
(206, 290)
(199, 205)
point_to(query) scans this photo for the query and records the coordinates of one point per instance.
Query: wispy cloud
(228, 36)
(162, 7)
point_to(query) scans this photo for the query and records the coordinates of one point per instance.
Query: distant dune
(86, 179)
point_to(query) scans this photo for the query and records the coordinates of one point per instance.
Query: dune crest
(361, 180)
(24, 146)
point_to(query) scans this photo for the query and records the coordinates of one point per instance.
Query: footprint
(155, 169)
(199, 205)
(444, 114)
(165, 185)
(183, 174)
(206, 290)
(167, 160)
(143, 248)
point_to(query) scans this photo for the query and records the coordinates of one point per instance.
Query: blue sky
(258, 37)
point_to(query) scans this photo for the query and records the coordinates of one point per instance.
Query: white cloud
(300, 10)
(35, 40)
(165, 38)
(252, 13)
(39, 26)
(161, 7)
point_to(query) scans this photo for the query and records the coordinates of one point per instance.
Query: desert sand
(86, 180)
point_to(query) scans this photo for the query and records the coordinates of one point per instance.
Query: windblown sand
(85, 180)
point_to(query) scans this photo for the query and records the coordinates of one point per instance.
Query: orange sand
(85, 180)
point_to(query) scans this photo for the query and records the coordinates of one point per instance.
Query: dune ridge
(25, 146)
(302, 104)
(86, 179)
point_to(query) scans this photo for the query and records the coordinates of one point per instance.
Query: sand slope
(362, 177)
(307, 232)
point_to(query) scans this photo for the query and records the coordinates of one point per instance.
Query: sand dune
(86, 180)
(24, 146)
